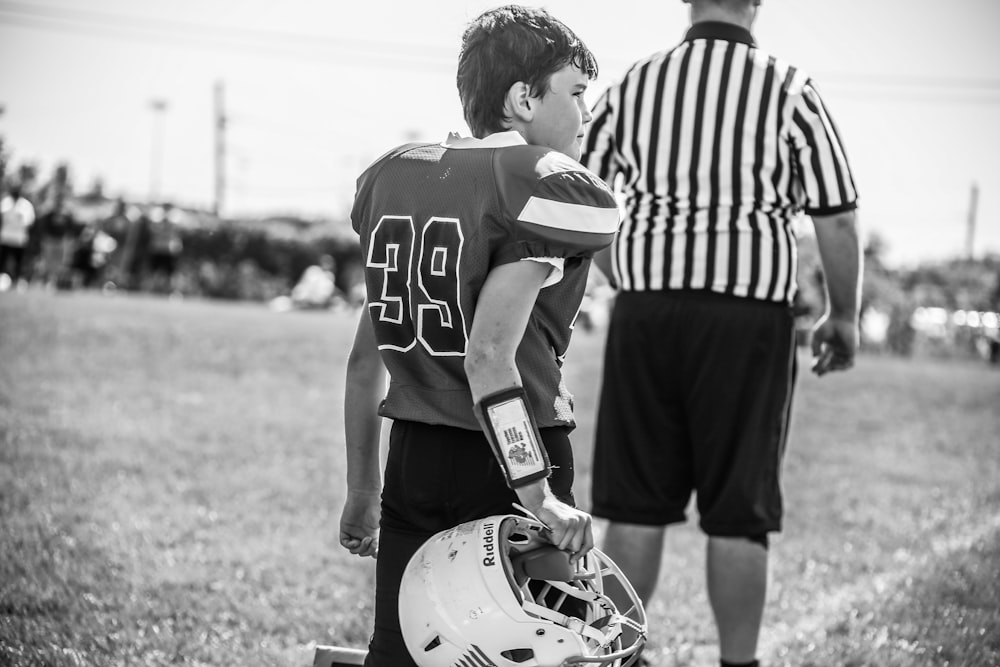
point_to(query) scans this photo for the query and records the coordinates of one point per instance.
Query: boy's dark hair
(510, 44)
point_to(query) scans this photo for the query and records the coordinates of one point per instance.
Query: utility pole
(220, 149)
(970, 230)
(159, 107)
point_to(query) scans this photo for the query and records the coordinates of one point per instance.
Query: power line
(352, 51)
(357, 53)
(966, 83)
(186, 27)
(914, 88)
(925, 96)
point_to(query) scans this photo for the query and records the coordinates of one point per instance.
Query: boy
(476, 258)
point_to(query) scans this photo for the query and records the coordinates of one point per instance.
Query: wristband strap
(509, 425)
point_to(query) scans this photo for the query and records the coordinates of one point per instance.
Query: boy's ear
(517, 103)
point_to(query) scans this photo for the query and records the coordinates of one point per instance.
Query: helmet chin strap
(573, 623)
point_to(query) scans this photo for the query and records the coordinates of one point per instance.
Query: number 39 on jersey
(416, 263)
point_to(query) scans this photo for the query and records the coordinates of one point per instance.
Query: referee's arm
(836, 335)
(840, 251)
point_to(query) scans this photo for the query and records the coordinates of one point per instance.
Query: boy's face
(561, 114)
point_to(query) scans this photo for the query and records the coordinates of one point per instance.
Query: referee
(717, 148)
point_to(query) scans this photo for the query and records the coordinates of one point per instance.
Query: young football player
(476, 254)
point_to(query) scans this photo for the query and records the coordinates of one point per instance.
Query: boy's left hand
(359, 523)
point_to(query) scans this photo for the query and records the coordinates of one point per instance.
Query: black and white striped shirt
(720, 147)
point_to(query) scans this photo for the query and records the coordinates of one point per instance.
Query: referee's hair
(510, 44)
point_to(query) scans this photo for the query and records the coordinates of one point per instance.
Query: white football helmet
(496, 593)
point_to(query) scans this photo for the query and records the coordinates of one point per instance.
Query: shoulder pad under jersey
(367, 178)
(555, 200)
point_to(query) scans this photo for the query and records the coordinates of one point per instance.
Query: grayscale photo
(471, 334)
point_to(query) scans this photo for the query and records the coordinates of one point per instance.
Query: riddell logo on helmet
(489, 545)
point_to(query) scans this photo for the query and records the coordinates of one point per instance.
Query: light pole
(220, 148)
(159, 107)
(3, 161)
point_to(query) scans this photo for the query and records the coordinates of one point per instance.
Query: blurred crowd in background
(44, 243)
(54, 238)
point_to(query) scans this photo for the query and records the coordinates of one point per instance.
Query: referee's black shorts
(696, 398)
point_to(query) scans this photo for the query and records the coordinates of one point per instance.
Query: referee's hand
(834, 344)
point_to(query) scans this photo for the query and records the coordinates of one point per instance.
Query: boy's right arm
(502, 314)
(365, 388)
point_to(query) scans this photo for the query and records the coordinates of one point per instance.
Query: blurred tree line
(235, 261)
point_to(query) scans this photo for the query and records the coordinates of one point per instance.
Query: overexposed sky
(315, 89)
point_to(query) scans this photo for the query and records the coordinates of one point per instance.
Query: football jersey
(434, 220)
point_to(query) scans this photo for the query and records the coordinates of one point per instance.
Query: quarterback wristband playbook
(510, 427)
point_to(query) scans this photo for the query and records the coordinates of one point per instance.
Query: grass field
(171, 481)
